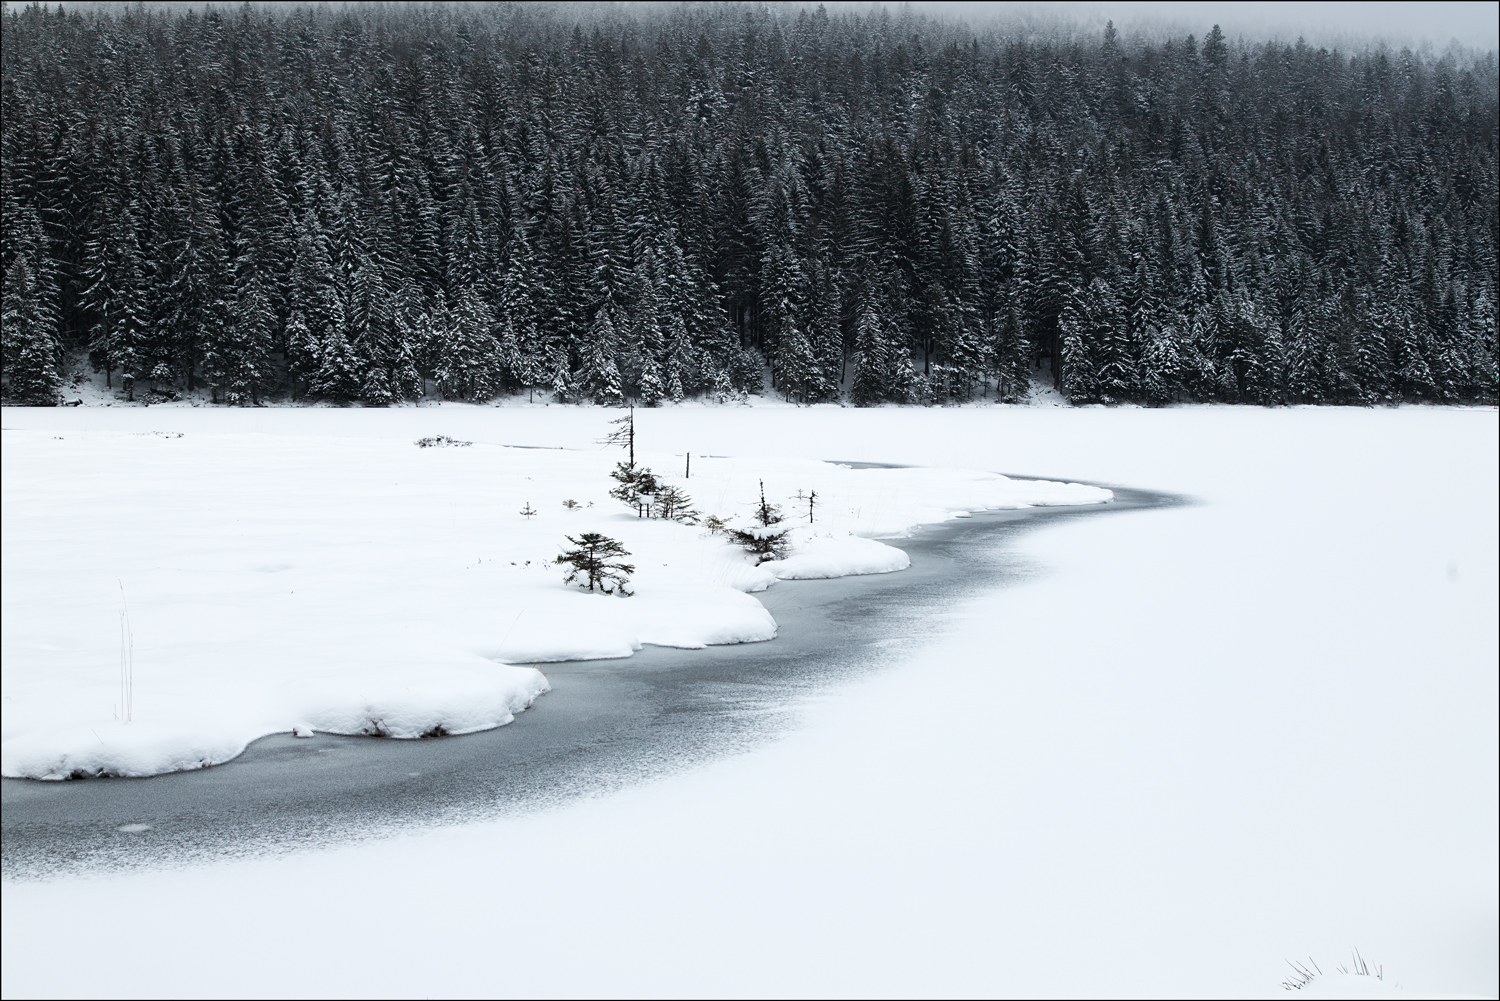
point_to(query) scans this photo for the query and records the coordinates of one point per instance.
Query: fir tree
(31, 377)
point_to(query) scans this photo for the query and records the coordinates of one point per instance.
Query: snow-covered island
(169, 598)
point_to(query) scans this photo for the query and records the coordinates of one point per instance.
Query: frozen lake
(1154, 754)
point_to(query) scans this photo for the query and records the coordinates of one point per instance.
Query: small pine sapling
(623, 434)
(769, 514)
(675, 505)
(765, 542)
(596, 561)
(768, 539)
(571, 504)
(528, 511)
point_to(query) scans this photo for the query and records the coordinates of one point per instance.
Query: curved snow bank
(827, 555)
(455, 701)
(136, 750)
(450, 699)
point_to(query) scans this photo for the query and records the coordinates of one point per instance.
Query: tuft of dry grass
(1302, 976)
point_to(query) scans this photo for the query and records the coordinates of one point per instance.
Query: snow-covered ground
(257, 581)
(1200, 742)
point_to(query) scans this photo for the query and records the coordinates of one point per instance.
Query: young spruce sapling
(596, 560)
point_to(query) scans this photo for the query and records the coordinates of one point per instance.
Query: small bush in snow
(596, 561)
(571, 504)
(442, 441)
(637, 487)
(766, 542)
(641, 489)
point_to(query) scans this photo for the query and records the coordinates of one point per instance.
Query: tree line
(377, 203)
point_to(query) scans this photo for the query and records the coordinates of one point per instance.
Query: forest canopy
(375, 203)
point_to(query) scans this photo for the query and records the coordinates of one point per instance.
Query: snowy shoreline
(254, 583)
(607, 724)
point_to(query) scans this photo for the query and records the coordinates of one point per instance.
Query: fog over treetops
(378, 203)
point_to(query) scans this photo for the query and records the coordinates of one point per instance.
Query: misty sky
(1475, 25)
(1421, 25)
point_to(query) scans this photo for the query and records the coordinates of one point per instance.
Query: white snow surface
(1348, 985)
(1192, 744)
(255, 580)
(820, 555)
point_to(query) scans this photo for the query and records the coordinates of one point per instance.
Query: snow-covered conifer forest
(378, 203)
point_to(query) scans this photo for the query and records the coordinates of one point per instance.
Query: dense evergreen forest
(377, 203)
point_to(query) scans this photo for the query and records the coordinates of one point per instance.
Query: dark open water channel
(606, 724)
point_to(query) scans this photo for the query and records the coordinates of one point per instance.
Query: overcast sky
(1429, 25)
(1474, 25)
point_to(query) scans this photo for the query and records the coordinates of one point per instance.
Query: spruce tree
(466, 369)
(872, 366)
(1161, 364)
(601, 375)
(1078, 382)
(115, 298)
(797, 372)
(338, 375)
(31, 377)
(254, 320)
(681, 368)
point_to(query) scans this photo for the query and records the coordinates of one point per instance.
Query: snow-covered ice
(1197, 742)
(255, 581)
